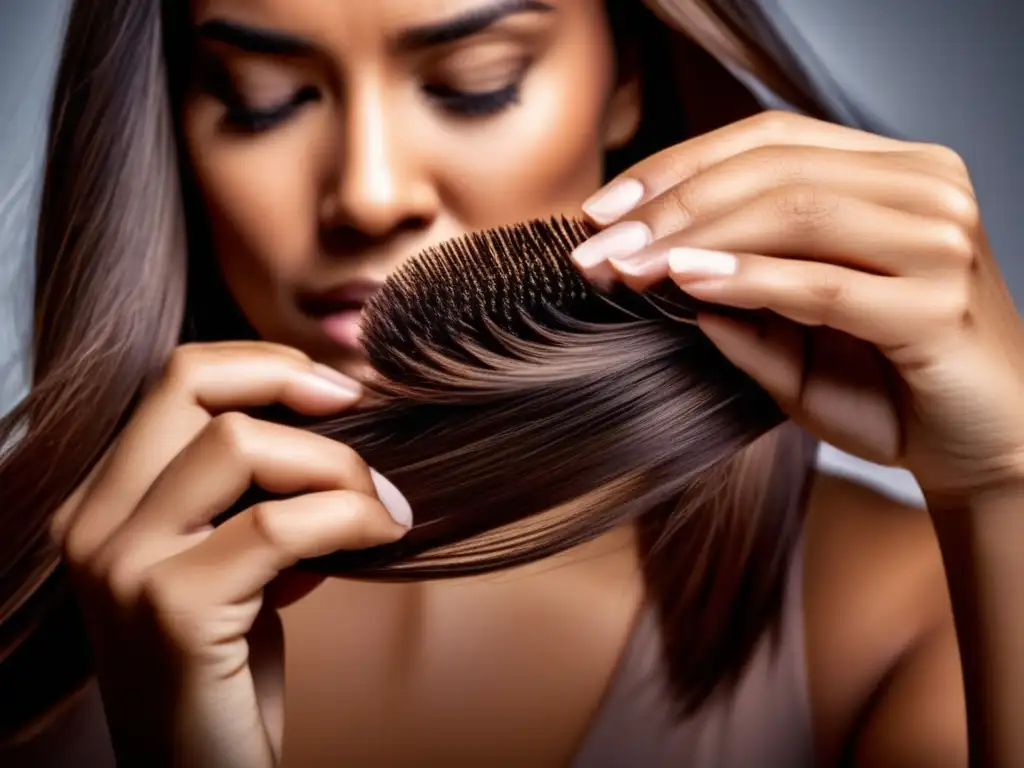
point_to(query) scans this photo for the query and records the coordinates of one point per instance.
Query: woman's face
(334, 139)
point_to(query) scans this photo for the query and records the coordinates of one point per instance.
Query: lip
(338, 311)
(347, 297)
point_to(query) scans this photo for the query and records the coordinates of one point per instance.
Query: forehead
(355, 17)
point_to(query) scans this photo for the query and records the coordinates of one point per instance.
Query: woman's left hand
(879, 318)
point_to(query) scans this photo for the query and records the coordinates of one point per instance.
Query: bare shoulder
(874, 594)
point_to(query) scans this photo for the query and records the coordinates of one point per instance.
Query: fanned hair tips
(522, 412)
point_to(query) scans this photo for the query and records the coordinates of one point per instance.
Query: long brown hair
(121, 267)
(496, 362)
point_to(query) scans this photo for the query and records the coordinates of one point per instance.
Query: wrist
(981, 535)
(998, 485)
(986, 522)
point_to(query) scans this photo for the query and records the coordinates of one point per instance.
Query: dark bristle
(511, 278)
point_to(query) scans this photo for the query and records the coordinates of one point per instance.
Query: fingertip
(602, 276)
(325, 391)
(613, 201)
(337, 378)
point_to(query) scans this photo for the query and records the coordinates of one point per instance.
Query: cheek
(260, 198)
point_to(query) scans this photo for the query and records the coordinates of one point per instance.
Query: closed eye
(247, 119)
(474, 104)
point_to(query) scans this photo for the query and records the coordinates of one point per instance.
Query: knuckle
(959, 307)
(946, 156)
(180, 368)
(954, 243)
(230, 430)
(362, 516)
(774, 124)
(349, 458)
(960, 205)
(64, 521)
(951, 306)
(828, 296)
(681, 202)
(76, 547)
(123, 579)
(805, 206)
(349, 469)
(673, 165)
(267, 526)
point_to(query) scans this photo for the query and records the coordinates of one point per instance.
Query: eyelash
(474, 105)
(248, 120)
(458, 103)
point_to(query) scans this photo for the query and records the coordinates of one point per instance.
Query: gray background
(939, 70)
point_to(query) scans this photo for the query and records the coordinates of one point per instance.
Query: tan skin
(367, 173)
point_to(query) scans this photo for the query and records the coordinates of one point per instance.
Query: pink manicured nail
(393, 500)
(640, 264)
(695, 262)
(614, 201)
(618, 241)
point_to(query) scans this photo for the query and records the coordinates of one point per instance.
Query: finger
(769, 350)
(233, 453)
(830, 384)
(266, 662)
(239, 558)
(891, 180)
(885, 311)
(198, 378)
(812, 223)
(236, 376)
(659, 172)
(66, 513)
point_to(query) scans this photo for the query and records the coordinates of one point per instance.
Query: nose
(377, 188)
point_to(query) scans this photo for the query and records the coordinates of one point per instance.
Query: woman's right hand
(188, 651)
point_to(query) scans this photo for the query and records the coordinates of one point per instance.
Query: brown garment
(765, 722)
(77, 738)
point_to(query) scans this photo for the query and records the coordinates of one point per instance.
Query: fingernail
(614, 201)
(349, 387)
(640, 264)
(394, 502)
(696, 262)
(618, 241)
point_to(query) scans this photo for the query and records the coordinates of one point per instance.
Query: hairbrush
(485, 288)
(520, 409)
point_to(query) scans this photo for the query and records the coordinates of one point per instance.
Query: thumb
(843, 399)
(770, 351)
(266, 662)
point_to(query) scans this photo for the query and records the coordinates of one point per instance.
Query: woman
(322, 144)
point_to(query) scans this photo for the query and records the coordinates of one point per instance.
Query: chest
(497, 670)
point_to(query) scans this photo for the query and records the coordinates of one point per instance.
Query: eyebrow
(466, 24)
(252, 39)
(273, 43)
